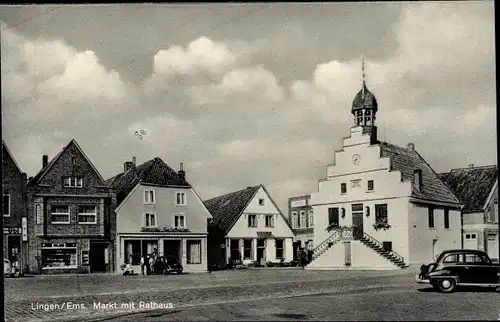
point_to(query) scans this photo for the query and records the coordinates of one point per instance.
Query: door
(261, 251)
(492, 246)
(14, 253)
(482, 271)
(172, 249)
(98, 252)
(470, 241)
(357, 225)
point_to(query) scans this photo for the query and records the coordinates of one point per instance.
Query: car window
(453, 258)
(474, 259)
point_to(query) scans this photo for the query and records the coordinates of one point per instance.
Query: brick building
(15, 237)
(70, 216)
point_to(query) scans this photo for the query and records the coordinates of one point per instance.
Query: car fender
(440, 274)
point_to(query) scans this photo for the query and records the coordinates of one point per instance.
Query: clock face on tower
(355, 159)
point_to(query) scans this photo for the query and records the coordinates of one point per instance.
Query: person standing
(142, 265)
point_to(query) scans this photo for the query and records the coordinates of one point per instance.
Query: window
(333, 216)
(6, 205)
(247, 249)
(39, 213)
(446, 218)
(73, 182)
(179, 221)
(470, 236)
(193, 251)
(495, 211)
(279, 248)
(150, 220)
(261, 202)
(87, 214)
(453, 258)
(311, 218)
(59, 214)
(381, 213)
(132, 252)
(269, 221)
(431, 217)
(303, 219)
(295, 220)
(252, 220)
(343, 188)
(476, 259)
(59, 256)
(180, 199)
(149, 197)
(370, 185)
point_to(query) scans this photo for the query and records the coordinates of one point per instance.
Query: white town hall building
(381, 206)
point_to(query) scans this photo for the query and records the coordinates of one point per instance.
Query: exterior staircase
(378, 247)
(326, 244)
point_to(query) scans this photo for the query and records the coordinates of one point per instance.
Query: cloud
(202, 54)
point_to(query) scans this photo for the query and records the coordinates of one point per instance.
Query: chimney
(410, 146)
(471, 165)
(45, 160)
(127, 166)
(133, 160)
(182, 173)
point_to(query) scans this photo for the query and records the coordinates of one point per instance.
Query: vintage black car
(459, 267)
(167, 265)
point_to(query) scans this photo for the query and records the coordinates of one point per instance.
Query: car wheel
(446, 285)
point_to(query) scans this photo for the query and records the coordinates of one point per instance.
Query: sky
(246, 94)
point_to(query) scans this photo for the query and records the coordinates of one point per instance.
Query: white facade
(355, 165)
(244, 231)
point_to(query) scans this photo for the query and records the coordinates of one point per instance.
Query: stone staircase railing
(377, 246)
(338, 234)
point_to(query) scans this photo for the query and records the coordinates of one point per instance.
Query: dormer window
(73, 182)
(417, 179)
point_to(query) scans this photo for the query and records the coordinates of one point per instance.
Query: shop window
(193, 251)
(132, 252)
(247, 249)
(59, 256)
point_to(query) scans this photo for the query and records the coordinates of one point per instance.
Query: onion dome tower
(364, 109)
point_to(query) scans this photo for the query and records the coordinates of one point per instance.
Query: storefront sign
(264, 234)
(12, 230)
(24, 228)
(85, 257)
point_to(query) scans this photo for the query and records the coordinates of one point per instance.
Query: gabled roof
(406, 161)
(36, 179)
(227, 209)
(154, 171)
(6, 150)
(472, 186)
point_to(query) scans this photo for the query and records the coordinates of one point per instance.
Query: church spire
(363, 85)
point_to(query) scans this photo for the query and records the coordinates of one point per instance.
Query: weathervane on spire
(363, 75)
